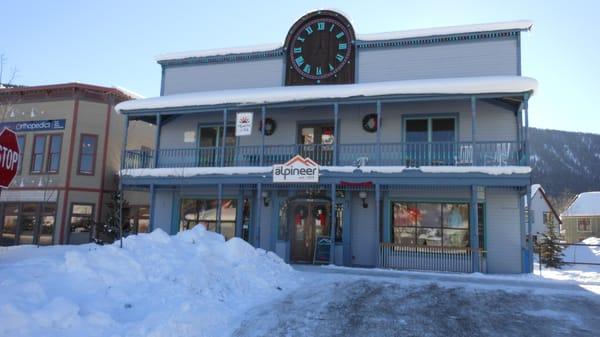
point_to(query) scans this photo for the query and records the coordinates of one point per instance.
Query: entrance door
(308, 219)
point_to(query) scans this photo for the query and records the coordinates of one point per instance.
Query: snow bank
(191, 284)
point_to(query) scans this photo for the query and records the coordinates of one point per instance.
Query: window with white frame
(584, 225)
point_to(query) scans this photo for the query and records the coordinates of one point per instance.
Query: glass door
(209, 144)
(430, 141)
(308, 220)
(316, 142)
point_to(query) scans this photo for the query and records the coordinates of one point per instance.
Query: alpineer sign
(296, 170)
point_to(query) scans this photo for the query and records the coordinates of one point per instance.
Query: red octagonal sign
(9, 157)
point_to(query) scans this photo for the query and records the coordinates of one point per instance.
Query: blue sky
(115, 42)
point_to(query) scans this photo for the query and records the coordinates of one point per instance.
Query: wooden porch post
(335, 134)
(263, 113)
(258, 205)
(123, 166)
(474, 230)
(377, 221)
(219, 207)
(333, 223)
(157, 139)
(474, 128)
(378, 108)
(222, 162)
(529, 251)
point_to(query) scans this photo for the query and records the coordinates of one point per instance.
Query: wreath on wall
(369, 123)
(270, 126)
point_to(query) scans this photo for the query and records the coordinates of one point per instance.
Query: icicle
(12, 113)
(40, 184)
(22, 184)
(32, 112)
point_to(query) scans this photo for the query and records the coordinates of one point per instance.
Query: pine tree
(550, 250)
(110, 229)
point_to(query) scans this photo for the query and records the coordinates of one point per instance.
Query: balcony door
(430, 140)
(209, 144)
(316, 142)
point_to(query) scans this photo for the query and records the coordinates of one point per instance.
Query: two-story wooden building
(417, 143)
(70, 138)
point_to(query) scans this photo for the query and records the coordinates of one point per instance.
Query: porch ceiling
(505, 87)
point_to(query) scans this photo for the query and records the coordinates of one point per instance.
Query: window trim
(48, 148)
(94, 154)
(33, 154)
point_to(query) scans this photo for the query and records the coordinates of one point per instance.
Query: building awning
(290, 94)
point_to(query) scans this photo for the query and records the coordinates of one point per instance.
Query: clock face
(320, 48)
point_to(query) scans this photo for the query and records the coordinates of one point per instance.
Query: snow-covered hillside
(191, 284)
(565, 161)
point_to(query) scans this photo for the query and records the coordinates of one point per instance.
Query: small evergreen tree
(110, 229)
(550, 250)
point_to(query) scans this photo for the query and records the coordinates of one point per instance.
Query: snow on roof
(396, 35)
(219, 52)
(451, 30)
(443, 86)
(586, 204)
(535, 188)
(129, 93)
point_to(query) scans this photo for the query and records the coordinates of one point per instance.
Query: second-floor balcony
(415, 154)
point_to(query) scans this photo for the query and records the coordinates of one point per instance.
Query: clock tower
(320, 49)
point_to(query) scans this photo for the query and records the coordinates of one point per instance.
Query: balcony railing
(384, 154)
(396, 256)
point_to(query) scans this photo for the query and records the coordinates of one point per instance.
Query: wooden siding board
(503, 231)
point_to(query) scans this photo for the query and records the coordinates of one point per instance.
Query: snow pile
(191, 284)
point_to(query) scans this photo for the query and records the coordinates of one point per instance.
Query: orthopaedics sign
(296, 170)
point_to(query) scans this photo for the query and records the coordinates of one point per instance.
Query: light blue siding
(220, 76)
(477, 58)
(503, 231)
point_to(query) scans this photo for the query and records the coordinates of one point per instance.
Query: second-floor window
(548, 218)
(46, 157)
(53, 158)
(37, 159)
(87, 154)
(430, 129)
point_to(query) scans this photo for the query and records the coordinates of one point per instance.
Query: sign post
(9, 156)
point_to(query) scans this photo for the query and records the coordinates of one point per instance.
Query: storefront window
(81, 218)
(433, 224)
(27, 223)
(9, 228)
(204, 211)
(138, 219)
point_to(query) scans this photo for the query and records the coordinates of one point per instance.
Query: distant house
(542, 212)
(582, 218)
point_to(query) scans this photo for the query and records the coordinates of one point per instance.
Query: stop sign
(9, 156)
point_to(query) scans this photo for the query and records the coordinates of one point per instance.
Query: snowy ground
(196, 284)
(585, 274)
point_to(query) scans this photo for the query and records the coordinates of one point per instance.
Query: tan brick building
(70, 139)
